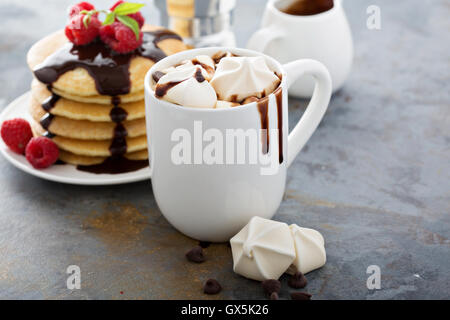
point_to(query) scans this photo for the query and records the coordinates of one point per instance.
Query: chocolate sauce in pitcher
(308, 7)
(110, 72)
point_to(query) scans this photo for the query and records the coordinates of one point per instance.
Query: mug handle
(317, 106)
(262, 38)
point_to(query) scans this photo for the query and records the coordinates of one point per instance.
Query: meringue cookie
(263, 249)
(310, 250)
(237, 78)
(188, 90)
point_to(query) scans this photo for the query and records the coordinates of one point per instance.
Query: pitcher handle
(262, 38)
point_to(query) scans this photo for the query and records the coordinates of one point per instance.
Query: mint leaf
(86, 20)
(130, 23)
(110, 18)
(127, 8)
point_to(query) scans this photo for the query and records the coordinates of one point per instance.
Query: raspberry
(78, 34)
(136, 16)
(120, 38)
(116, 5)
(41, 152)
(76, 9)
(16, 134)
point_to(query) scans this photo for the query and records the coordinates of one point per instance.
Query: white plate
(60, 173)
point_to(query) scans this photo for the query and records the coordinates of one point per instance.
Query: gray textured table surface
(374, 179)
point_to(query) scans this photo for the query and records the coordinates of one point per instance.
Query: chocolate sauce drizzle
(115, 165)
(162, 89)
(279, 98)
(208, 69)
(46, 120)
(110, 72)
(50, 102)
(117, 162)
(118, 145)
(157, 75)
(263, 108)
(199, 76)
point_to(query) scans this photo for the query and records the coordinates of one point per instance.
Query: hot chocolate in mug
(211, 196)
(325, 36)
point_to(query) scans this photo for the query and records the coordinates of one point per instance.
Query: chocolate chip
(300, 296)
(297, 281)
(270, 286)
(212, 286)
(196, 255)
(274, 296)
(204, 244)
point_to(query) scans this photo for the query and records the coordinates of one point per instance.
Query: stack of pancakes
(80, 120)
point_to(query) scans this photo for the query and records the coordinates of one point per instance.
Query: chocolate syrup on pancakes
(50, 102)
(109, 70)
(115, 165)
(46, 120)
(118, 145)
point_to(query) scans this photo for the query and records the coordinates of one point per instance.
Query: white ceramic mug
(325, 37)
(212, 202)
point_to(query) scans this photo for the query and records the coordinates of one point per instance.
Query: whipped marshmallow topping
(226, 104)
(187, 85)
(263, 249)
(207, 63)
(237, 78)
(310, 250)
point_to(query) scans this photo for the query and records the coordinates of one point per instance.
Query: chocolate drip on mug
(279, 98)
(109, 70)
(263, 107)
